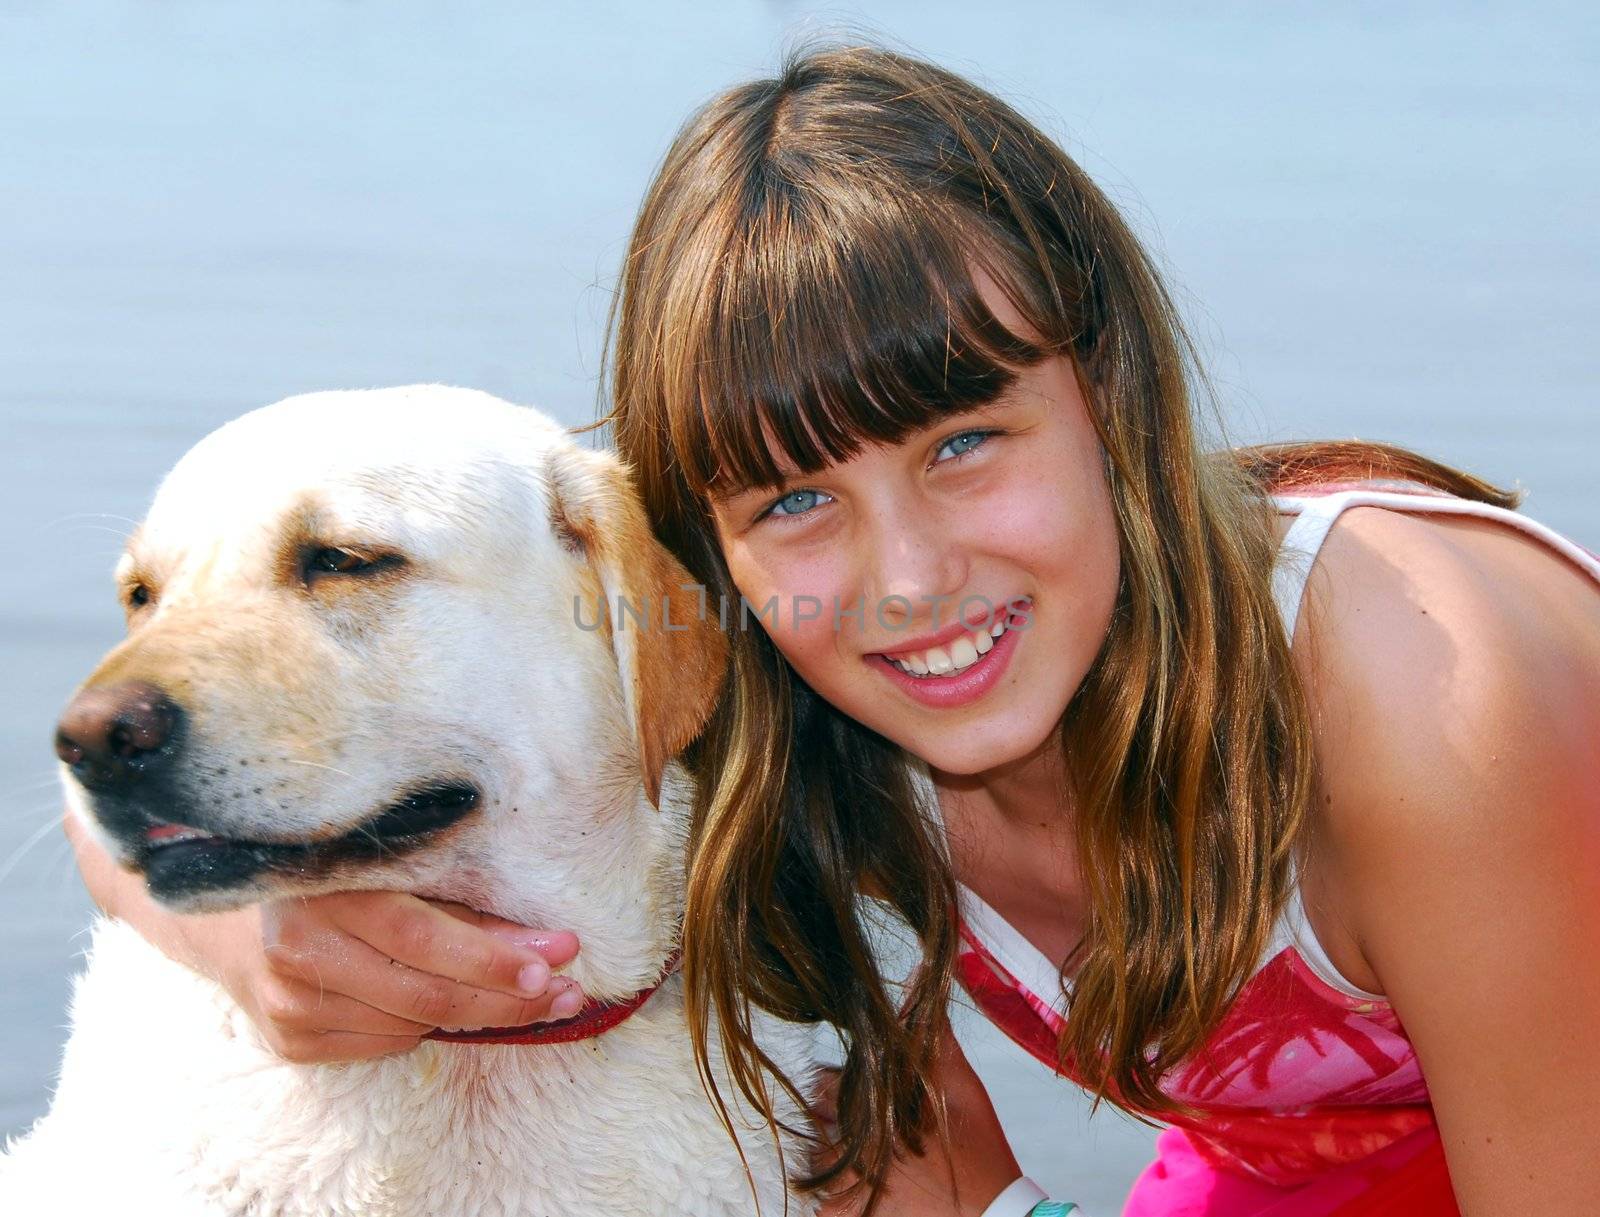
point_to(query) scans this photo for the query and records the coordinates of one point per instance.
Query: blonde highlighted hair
(801, 268)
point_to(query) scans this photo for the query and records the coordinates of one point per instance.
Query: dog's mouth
(181, 860)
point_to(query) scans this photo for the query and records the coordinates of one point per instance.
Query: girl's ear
(670, 653)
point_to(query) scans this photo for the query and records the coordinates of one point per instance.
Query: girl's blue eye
(795, 503)
(963, 443)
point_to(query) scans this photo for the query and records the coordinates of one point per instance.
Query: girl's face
(885, 572)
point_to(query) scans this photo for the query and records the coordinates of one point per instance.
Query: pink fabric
(1307, 1097)
(1407, 1179)
(1291, 1043)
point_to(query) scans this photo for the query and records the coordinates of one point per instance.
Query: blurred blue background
(1379, 217)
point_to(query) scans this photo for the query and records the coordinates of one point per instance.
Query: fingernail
(566, 1004)
(533, 978)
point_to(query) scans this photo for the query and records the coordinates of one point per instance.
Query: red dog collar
(595, 1018)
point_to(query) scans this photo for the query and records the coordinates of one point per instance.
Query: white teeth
(961, 655)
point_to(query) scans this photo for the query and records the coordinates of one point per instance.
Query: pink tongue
(166, 830)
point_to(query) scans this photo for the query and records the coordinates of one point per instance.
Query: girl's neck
(1029, 794)
(1011, 838)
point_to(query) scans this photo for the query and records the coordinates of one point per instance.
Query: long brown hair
(801, 267)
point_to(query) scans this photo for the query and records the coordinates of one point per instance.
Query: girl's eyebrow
(725, 495)
(788, 474)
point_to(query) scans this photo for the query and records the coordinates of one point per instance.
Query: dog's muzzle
(124, 745)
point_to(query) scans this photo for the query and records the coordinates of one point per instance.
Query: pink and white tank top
(1309, 1091)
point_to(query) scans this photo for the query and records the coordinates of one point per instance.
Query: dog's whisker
(366, 832)
(59, 876)
(87, 526)
(29, 787)
(28, 843)
(93, 515)
(47, 813)
(65, 860)
(319, 765)
(75, 517)
(48, 808)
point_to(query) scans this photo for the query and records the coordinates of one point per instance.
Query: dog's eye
(138, 595)
(335, 561)
(330, 560)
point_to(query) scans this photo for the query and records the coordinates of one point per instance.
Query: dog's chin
(190, 868)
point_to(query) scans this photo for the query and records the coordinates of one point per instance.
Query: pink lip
(950, 633)
(950, 692)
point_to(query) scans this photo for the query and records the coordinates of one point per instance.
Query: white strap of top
(1317, 514)
(1299, 550)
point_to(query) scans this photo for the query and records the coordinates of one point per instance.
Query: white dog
(363, 652)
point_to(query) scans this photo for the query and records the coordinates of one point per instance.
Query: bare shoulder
(1452, 666)
(1444, 628)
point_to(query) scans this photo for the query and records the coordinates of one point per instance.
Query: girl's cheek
(810, 608)
(793, 601)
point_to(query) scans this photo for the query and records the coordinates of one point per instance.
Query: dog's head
(369, 646)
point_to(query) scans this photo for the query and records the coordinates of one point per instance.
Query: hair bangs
(827, 327)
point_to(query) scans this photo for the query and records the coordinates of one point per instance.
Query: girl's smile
(945, 675)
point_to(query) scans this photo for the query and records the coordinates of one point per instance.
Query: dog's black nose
(112, 735)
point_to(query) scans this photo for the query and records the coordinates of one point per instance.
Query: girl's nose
(914, 556)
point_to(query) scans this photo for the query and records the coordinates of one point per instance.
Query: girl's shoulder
(1431, 621)
(1452, 670)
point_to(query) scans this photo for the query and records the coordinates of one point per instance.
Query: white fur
(168, 1102)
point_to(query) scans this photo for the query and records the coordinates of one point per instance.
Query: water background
(1379, 217)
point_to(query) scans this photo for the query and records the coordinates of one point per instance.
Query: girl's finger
(298, 1007)
(435, 942)
(557, 946)
(367, 975)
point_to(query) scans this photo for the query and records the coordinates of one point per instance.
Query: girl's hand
(955, 1176)
(350, 975)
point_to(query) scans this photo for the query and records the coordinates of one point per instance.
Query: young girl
(1254, 791)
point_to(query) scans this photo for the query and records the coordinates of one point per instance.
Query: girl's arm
(1456, 682)
(957, 1176)
(348, 975)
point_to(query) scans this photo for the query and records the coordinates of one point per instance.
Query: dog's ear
(670, 653)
